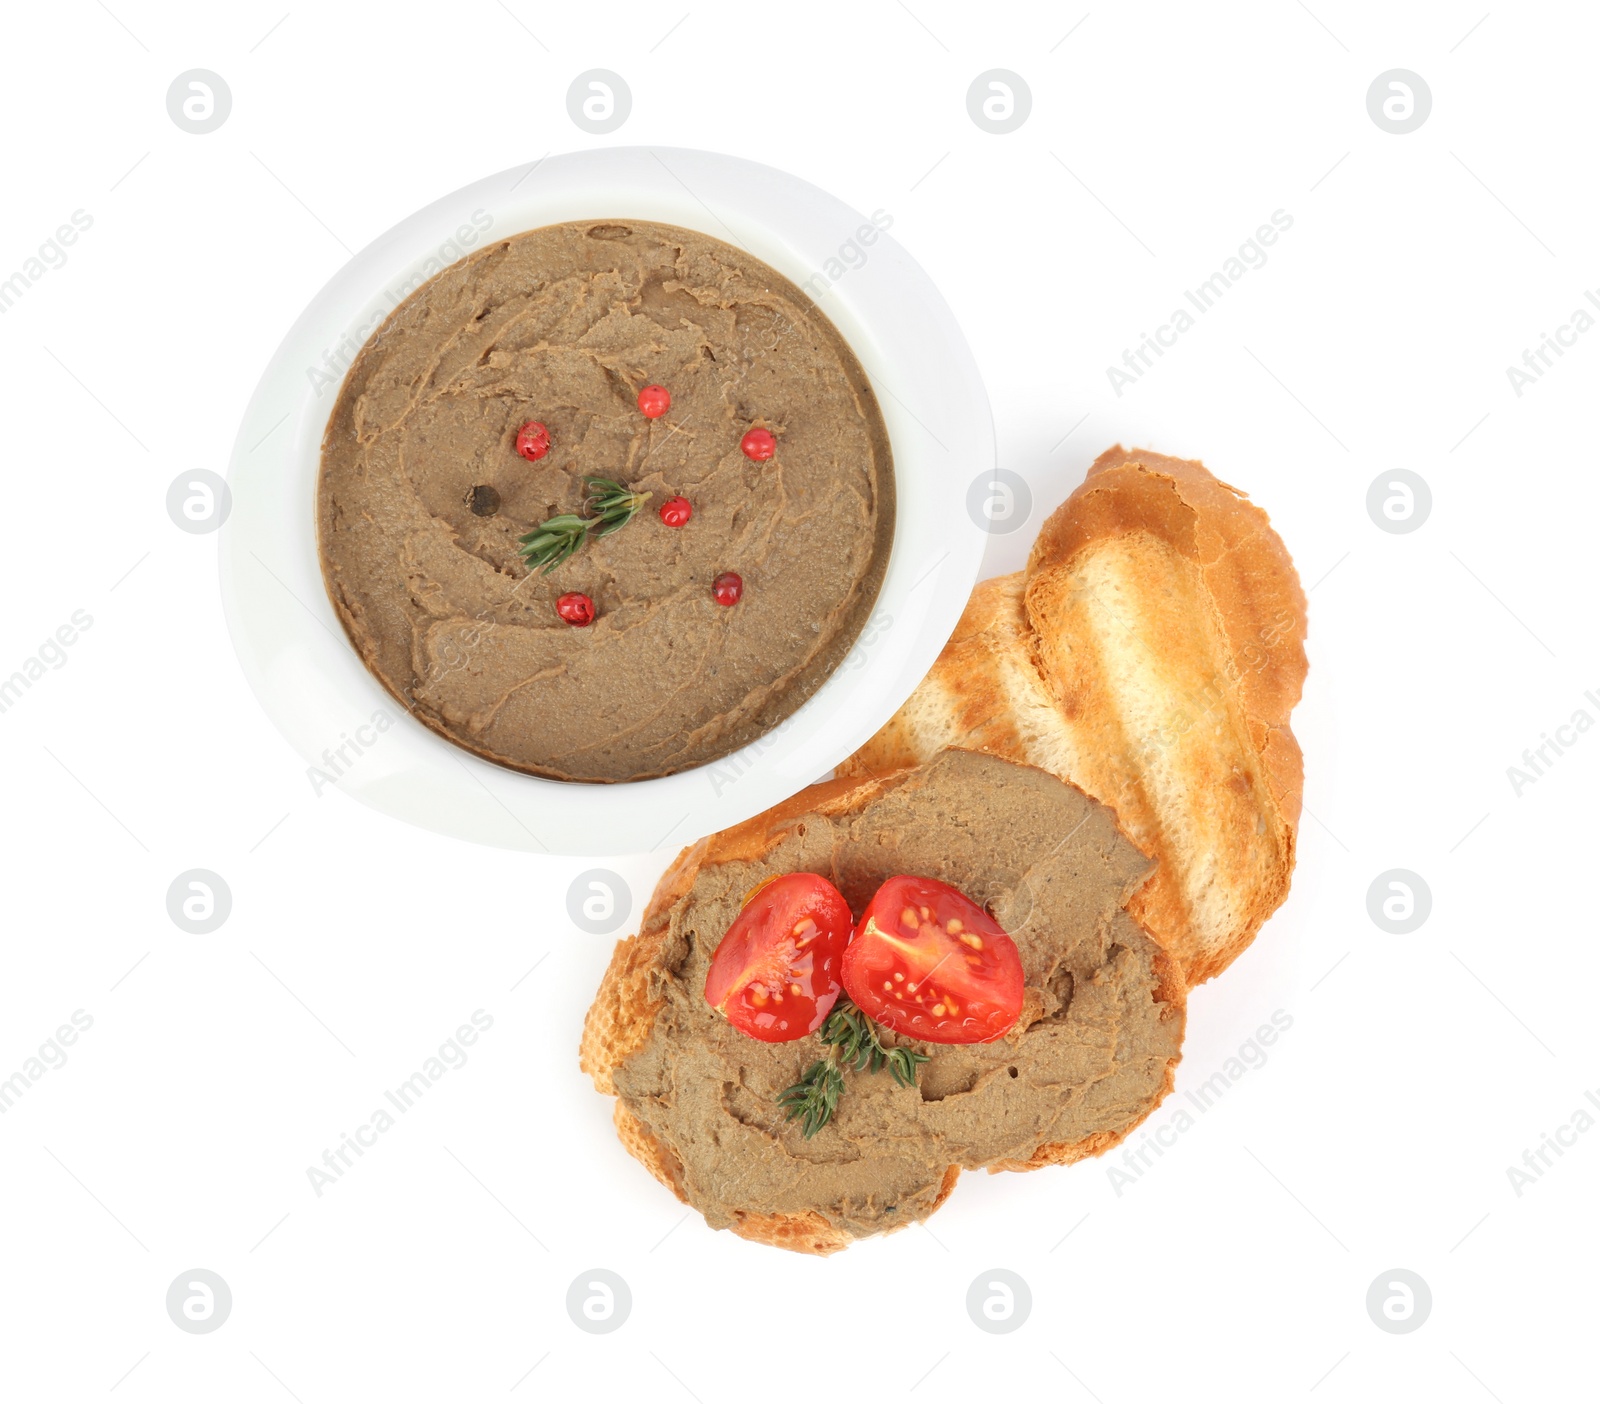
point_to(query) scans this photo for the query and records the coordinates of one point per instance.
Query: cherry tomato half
(776, 973)
(932, 964)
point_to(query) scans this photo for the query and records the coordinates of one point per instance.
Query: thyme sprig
(610, 506)
(815, 1097)
(852, 1042)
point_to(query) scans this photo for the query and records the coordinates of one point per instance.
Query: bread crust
(1254, 587)
(625, 1007)
(1150, 653)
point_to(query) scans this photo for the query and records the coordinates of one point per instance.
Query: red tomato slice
(932, 964)
(776, 973)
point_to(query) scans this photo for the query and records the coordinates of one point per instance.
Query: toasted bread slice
(1094, 1052)
(1151, 653)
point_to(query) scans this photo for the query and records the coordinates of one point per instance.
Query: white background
(1417, 1069)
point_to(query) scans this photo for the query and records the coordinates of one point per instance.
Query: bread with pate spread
(1150, 653)
(1091, 1055)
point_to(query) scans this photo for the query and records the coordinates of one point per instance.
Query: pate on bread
(1091, 1055)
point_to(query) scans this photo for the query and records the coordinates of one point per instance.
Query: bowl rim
(348, 728)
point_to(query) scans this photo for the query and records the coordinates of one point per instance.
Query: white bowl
(353, 735)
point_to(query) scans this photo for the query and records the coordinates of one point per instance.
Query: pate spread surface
(1088, 1057)
(565, 325)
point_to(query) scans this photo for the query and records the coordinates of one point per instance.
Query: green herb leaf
(610, 506)
(815, 1097)
(851, 1039)
(903, 1064)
